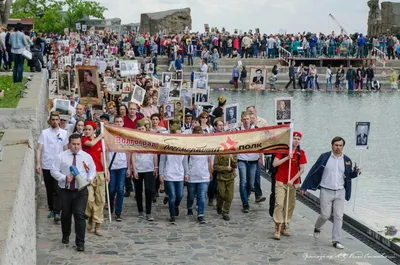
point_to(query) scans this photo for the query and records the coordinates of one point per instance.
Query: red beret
(297, 134)
(91, 123)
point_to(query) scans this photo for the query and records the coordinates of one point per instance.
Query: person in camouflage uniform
(225, 166)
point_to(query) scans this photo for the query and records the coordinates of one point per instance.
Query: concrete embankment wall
(19, 183)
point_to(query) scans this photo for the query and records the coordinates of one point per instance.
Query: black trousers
(52, 191)
(74, 202)
(212, 188)
(292, 80)
(148, 179)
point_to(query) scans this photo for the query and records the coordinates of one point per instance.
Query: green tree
(49, 15)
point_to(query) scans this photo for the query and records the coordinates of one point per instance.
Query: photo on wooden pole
(88, 85)
(362, 134)
(258, 78)
(283, 110)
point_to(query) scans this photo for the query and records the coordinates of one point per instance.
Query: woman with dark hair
(122, 110)
(79, 126)
(18, 46)
(219, 111)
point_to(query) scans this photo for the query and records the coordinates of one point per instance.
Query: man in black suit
(168, 113)
(258, 79)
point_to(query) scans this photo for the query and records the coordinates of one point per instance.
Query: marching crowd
(76, 141)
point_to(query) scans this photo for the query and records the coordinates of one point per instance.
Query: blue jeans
(257, 182)
(247, 174)
(310, 80)
(199, 190)
(18, 67)
(215, 66)
(351, 84)
(190, 59)
(313, 51)
(329, 82)
(174, 190)
(140, 49)
(116, 187)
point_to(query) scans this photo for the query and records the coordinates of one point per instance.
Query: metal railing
(380, 56)
(284, 55)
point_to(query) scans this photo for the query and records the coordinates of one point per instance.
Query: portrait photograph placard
(202, 98)
(88, 85)
(175, 90)
(53, 88)
(200, 82)
(166, 79)
(186, 97)
(149, 68)
(126, 87)
(231, 113)
(128, 68)
(362, 134)
(156, 83)
(169, 111)
(163, 93)
(138, 95)
(258, 78)
(283, 110)
(62, 107)
(179, 74)
(179, 110)
(79, 59)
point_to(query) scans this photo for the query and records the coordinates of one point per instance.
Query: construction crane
(337, 22)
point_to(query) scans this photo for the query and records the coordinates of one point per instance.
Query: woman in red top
(94, 208)
(283, 186)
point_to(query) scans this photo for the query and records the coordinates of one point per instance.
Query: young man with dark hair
(332, 174)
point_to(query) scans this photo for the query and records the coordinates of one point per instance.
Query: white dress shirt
(333, 176)
(62, 162)
(198, 169)
(53, 142)
(120, 160)
(144, 162)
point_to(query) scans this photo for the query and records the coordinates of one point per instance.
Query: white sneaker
(338, 245)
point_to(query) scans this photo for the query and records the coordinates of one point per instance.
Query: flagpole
(103, 146)
(355, 191)
(290, 169)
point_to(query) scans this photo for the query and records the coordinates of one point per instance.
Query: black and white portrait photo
(53, 87)
(149, 68)
(179, 110)
(138, 95)
(175, 90)
(166, 79)
(186, 96)
(128, 68)
(200, 82)
(231, 114)
(283, 110)
(202, 98)
(163, 93)
(179, 74)
(258, 77)
(169, 111)
(362, 133)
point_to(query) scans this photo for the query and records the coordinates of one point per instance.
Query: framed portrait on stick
(169, 111)
(138, 95)
(283, 110)
(175, 90)
(179, 110)
(88, 85)
(53, 88)
(163, 93)
(62, 107)
(362, 134)
(258, 78)
(231, 114)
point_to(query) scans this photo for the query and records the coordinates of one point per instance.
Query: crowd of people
(75, 140)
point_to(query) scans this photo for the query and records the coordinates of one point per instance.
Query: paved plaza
(246, 239)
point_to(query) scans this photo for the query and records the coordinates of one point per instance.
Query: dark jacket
(37, 59)
(370, 73)
(291, 71)
(314, 176)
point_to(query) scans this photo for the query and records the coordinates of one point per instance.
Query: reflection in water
(320, 116)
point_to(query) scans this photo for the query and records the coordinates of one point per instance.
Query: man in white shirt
(247, 166)
(73, 201)
(52, 141)
(332, 173)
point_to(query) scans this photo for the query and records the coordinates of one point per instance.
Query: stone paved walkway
(246, 239)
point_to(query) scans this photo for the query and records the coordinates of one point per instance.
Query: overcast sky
(271, 16)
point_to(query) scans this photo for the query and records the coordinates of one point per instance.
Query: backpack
(272, 171)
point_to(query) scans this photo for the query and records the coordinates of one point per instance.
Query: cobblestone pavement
(246, 239)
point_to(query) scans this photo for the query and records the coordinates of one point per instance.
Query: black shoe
(65, 240)
(165, 201)
(246, 208)
(127, 194)
(154, 199)
(201, 220)
(176, 210)
(210, 202)
(226, 217)
(190, 212)
(80, 248)
(57, 217)
(118, 218)
(172, 220)
(219, 211)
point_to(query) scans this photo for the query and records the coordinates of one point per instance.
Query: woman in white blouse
(200, 174)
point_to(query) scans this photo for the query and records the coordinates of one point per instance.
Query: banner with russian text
(273, 139)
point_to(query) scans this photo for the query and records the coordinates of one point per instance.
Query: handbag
(27, 54)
